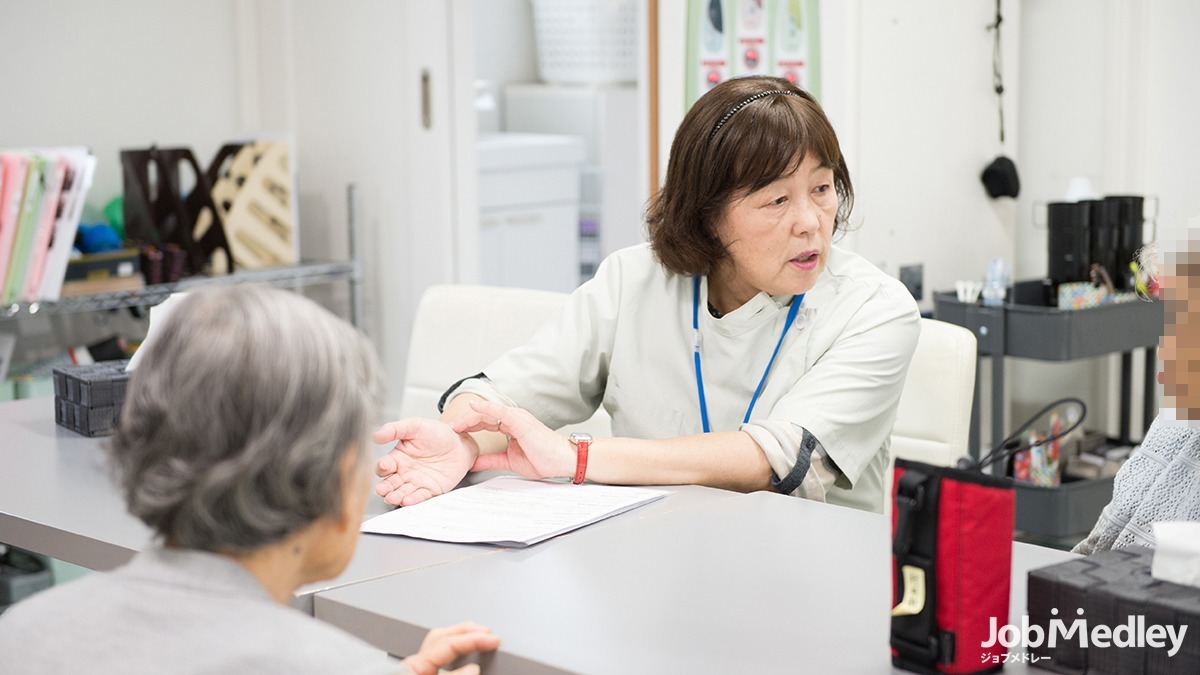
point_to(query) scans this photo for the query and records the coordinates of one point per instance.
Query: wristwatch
(581, 443)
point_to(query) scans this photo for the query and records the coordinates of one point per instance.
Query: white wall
(119, 75)
(908, 89)
(351, 85)
(343, 82)
(1064, 104)
(1172, 109)
(1093, 88)
(504, 41)
(1105, 94)
(923, 123)
(115, 75)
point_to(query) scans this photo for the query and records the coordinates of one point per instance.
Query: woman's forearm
(728, 460)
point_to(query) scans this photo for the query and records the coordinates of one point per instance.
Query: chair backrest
(933, 422)
(459, 329)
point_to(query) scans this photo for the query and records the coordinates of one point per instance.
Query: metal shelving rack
(305, 273)
(293, 276)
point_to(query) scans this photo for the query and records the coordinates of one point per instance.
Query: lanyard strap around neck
(791, 318)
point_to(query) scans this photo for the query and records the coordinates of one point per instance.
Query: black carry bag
(952, 531)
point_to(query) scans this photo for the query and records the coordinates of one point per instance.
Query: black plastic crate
(1112, 589)
(88, 398)
(21, 575)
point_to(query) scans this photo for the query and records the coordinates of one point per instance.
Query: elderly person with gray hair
(242, 444)
(1161, 481)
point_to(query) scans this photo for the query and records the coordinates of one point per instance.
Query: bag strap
(910, 498)
(916, 636)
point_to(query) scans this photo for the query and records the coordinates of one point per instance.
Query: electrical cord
(998, 69)
(1012, 445)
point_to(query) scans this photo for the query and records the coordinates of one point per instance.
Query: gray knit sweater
(1160, 482)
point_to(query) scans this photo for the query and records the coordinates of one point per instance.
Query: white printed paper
(510, 511)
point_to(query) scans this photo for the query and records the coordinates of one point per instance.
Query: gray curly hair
(239, 416)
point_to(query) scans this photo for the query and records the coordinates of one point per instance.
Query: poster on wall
(750, 39)
(735, 38)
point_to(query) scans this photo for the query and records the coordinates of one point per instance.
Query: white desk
(703, 580)
(760, 583)
(57, 499)
(56, 496)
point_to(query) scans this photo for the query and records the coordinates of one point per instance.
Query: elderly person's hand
(429, 459)
(443, 645)
(534, 450)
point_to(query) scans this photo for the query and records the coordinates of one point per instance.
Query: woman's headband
(743, 104)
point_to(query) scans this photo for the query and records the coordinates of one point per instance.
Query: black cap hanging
(1000, 177)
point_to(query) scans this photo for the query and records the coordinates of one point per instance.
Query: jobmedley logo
(1133, 633)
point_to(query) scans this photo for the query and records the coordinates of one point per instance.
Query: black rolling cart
(1026, 328)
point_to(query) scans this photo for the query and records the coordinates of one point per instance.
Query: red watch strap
(581, 449)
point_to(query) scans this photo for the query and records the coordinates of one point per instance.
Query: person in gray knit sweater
(243, 445)
(1161, 481)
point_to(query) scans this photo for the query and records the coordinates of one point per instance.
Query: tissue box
(88, 398)
(1126, 619)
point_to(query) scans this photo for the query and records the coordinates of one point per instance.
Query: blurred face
(777, 237)
(1179, 348)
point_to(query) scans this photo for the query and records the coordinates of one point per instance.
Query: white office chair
(933, 423)
(459, 329)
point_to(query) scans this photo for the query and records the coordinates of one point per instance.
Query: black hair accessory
(745, 102)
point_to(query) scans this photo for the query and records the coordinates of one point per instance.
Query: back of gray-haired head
(239, 415)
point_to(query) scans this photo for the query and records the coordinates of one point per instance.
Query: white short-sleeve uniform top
(624, 340)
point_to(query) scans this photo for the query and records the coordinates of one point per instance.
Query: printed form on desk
(510, 511)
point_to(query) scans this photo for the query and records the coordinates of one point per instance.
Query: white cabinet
(606, 117)
(529, 191)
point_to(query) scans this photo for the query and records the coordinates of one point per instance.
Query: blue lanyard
(791, 317)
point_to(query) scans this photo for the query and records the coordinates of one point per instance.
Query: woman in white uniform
(738, 349)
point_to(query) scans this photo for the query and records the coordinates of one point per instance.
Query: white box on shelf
(529, 210)
(605, 116)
